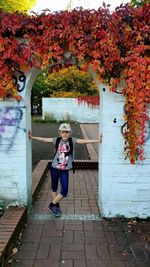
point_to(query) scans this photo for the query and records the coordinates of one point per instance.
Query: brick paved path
(81, 243)
(82, 197)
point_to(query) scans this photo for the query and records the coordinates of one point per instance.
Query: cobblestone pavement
(78, 242)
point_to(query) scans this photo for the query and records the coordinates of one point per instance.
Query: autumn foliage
(115, 44)
(15, 5)
(91, 101)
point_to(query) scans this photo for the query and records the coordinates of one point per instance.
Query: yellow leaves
(66, 94)
(99, 78)
(125, 117)
(24, 68)
(128, 29)
(114, 82)
(2, 48)
(8, 87)
(125, 252)
(70, 82)
(132, 222)
(15, 5)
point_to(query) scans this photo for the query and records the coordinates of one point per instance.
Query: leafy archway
(114, 44)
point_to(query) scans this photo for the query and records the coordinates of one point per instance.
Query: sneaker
(54, 209)
(58, 207)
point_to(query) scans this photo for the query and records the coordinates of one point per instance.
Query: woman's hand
(100, 137)
(30, 134)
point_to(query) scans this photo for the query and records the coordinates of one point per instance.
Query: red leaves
(92, 101)
(136, 104)
(115, 44)
(18, 98)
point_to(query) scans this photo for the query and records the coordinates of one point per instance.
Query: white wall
(15, 147)
(13, 187)
(64, 108)
(124, 189)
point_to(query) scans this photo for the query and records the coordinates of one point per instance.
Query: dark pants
(64, 180)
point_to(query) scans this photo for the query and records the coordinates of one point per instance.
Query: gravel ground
(42, 150)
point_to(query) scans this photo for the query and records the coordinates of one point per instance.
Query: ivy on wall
(115, 44)
(91, 101)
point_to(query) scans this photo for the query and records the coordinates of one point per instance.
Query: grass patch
(49, 118)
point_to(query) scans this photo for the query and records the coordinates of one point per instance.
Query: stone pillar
(124, 189)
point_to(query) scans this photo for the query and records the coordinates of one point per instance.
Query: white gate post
(15, 146)
(124, 189)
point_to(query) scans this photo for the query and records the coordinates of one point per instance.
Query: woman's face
(65, 135)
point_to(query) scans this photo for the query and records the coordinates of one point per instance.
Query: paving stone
(28, 246)
(91, 252)
(24, 263)
(51, 233)
(97, 225)
(68, 236)
(73, 226)
(25, 254)
(110, 237)
(140, 264)
(94, 233)
(117, 264)
(35, 222)
(66, 263)
(132, 264)
(35, 226)
(27, 263)
(121, 238)
(73, 255)
(96, 263)
(88, 226)
(55, 251)
(137, 251)
(52, 239)
(32, 235)
(46, 263)
(73, 222)
(95, 240)
(54, 225)
(74, 247)
(79, 263)
(43, 251)
(103, 252)
(147, 251)
(79, 237)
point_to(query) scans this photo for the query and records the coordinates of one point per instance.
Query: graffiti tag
(20, 81)
(10, 120)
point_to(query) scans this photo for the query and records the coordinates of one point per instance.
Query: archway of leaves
(114, 44)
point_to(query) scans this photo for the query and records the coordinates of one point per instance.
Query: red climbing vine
(115, 44)
(92, 101)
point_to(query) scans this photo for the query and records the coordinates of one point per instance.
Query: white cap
(65, 127)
